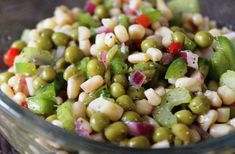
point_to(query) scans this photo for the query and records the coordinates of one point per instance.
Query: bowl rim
(35, 124)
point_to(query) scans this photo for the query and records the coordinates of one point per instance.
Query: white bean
(215, 32)
(206, 120)
(92, 84)
(115, 12)
(79, 109)
(197, 19)
(13, 81)
(85, 46)
(83, 33)
(218, 130)
(99, 40)
(138, 57)
(6, 89)
(135, 4)
(191, 84)
(160, 91)
(73, 86)
(214, 98)
(166, 12)
(109, 23)
(167, 40)
(49, 23)
(232, 122)
(195, 136)
(19, 97)
(153, 98)
(227, 95)
(111, 109)
(161, 144)
(121, 33)
(109, 39)
(136, 32)
(155, 54)
(57, 123)
(223, 114)
(143, 107)
(84, 125)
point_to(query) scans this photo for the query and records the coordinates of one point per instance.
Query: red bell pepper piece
(10, 55)
(143, 20)
(25, 104)
(175, 48)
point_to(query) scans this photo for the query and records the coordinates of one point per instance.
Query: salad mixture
(136, 73)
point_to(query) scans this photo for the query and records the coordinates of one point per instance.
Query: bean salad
(136, 73)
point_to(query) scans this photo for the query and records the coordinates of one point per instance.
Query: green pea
(73, 54)
(48, 73)
(203, 39)
(162, 133)
(178, 142)
(139, 142)
(121, 78)
(116, 131)
(99, 121)
(182, 132)
(5, 76)
(185, 117)
(178, 37)
(116, 90)
(44, 43)
(126, 102)
(148, 43)
(199, 105)
(38, 83)
(101, 11)
(60, 39)
(47, 32)
(61, 64)
(75, 34)
(18, 44)
(131, 116)
(176, 28)
(95, 67)
(136, 93)
(70, 71)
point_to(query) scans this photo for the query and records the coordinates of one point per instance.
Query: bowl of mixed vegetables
(121, 76)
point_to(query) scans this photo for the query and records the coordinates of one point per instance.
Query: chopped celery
(65, 115)
(177, 69)
(184, 6)
(36, 56)
(189, 44)
(47, 91)
(41, 105)
(86, 20)
(175, 97)
(103, 91)
(203, 66)
(218, 65)
(228, 79)
(154, 15)
(25, 68)
(226, 46)
(123, 20)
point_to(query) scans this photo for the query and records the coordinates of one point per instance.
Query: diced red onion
(80, 129)
(103, 29)
(137, 78)
(205, 53)
(202, 133)
(90, 7)
(190, 58)
(103, 58)
(140, 129)
(129, 11)
(59, 52)
(166, 59)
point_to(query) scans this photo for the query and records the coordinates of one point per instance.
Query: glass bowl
(30, 134)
